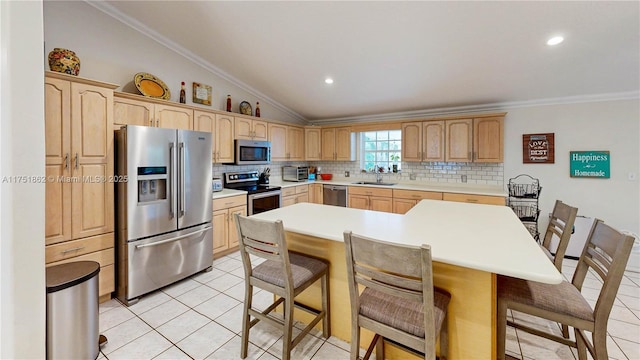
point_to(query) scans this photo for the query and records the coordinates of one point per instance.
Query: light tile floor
(199, 318)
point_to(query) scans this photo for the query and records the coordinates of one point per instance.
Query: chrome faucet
(376, 170)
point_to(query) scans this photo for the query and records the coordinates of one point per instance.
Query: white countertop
(484, 237)
(226, 193)
(490, 190)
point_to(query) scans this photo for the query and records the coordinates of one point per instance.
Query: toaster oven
(295, 173)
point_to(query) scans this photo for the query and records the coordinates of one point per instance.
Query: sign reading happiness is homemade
(593, 164)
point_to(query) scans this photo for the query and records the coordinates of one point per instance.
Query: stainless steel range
(260, 197)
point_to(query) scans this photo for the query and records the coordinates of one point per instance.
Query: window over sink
(381, 149)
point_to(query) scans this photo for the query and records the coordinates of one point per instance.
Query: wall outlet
(632, 176)
(413, 176)
(346, 174)
(463, 178)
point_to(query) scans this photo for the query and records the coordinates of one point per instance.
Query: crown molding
(140, 27)
(491, 107)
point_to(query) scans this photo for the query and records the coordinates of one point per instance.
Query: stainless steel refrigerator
(164, 210)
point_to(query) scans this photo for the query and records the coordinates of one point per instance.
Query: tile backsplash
(448, 172)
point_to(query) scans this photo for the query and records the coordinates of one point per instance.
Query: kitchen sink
(373, 183)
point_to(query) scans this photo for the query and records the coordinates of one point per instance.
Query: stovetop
(247, 181)
(254, 189)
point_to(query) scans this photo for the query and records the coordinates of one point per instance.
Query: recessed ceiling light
(328, 80)
(555, 40)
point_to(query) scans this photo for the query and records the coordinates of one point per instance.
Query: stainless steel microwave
(250, 152)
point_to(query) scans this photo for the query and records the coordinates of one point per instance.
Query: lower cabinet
(370, 198)
(475, 199)
(404, 200)
(316, 193)
(225, 236)
(295, 194)
(97, 248)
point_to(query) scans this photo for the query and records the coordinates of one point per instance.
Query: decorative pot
(64, 61)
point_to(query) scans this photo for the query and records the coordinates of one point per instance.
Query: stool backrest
(560, 224)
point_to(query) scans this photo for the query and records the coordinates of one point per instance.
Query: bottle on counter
(229, 103)
(257, 108)
(183, 94)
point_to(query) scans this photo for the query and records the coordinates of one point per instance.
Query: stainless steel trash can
(72, 310)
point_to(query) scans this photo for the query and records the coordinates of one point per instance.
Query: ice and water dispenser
(152, 183)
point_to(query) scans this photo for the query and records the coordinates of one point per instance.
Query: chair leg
(326, 321)
(248, 298)
(380, 348)
(580, 344)
(288, 328)
(501, 331)
(444, 338)
(600, 344)
(355, 342)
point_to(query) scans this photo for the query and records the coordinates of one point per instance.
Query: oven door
(264, 201)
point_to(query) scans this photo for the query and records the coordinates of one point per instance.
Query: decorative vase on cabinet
(64, 61)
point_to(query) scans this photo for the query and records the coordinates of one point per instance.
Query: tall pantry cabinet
(79, 221)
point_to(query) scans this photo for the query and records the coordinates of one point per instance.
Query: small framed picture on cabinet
(201, 94)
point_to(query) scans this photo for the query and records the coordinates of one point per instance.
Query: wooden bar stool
(283, 273)
(560, 224)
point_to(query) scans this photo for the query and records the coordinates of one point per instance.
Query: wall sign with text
(591, 164)
(538, 149)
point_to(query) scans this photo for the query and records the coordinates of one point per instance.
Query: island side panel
(471, 311)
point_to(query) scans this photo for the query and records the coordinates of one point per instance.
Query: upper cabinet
(221, 128)
(477, 139)
(312, 144)
(131, 109)
(287, 142)
(250, 129)
(338, 144)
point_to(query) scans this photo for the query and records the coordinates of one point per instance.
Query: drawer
(231, 201)
(74, 248)
(288, 191)
(103, 257)
(472, 198)
(372, 191)
(416, 195)
(301, 189)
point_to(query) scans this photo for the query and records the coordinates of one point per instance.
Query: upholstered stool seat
(303, 269)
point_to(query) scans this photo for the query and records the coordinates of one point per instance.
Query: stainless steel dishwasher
(334, 195)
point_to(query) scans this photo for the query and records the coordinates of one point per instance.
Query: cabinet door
(381, 204)
(344, 146)
(488, 139)
(295, 143)
(132, 112)
(170, 117)
(433, 141)
(359, 202)
(412, 141)
(302, 198)
(312, 144)
(205, 121)
(278, 138)
(220, 230)
(57, 120)
(328, 144)
(223, 139)
(233, 231)
(401, 206)
(315, 193)
(243, 128)
(288, 200)
(92, 148)
(459, 138)
(260, 129)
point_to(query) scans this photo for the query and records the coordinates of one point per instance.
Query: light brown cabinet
(295, 194)
(79, 217)
(370, 198)
(404, 200)
(338, 144)
(312, 144)
(250, 129)
(488, 139)
(129, 110)
(459, 140)
(316, 192)
(225, 236)
(287, 142)
(221, 128)
(474, 199)
(423, 141)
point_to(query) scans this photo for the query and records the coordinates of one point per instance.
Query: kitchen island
(470, 244)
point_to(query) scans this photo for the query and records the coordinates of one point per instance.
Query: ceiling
(392, 58)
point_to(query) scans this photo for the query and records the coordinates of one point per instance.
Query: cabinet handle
(64, 252)
(150, 122)
(472, 200)
(76, 161)
(157, 123)
(66, 161)
(415, 196)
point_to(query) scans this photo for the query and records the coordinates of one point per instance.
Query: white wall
(22, 275)
(113, 52)
(609, 125)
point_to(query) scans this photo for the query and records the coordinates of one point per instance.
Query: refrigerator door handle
(173, 239)
(181, 184)
(172, 197)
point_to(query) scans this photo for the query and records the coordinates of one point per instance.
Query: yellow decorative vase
(64, 61)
